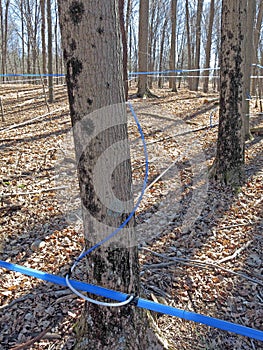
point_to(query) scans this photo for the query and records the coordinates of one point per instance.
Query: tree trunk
(189, 51)
(143, 47)
(248, 19)
(43, 37)
(173, 43)
(229, 162)
(50, 54)
(98, 114)
(257, 32)
(160, 80)
(209, 45)
(198, 44)
(125, 49)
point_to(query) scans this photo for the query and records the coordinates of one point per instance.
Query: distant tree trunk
(43, 37)
(22, 35)
(229, 162)
(189, 44)
(95, 89)
(198, 44)
(248, 19)
(160, 80)
(209, 45)
(50, 53)
(125, 49)
(4, 10)
(143, 47)
(257, 32)
(173, 43)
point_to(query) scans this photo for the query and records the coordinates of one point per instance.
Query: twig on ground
(5, 195)
(195, 263)
(32, 341)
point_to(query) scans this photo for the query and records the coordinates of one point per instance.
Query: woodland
(199, 224)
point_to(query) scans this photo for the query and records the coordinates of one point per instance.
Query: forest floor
(200, 243)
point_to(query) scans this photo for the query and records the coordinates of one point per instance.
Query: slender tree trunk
(98, 114)
(173, 43)
(229, 162)
(209, 45)
(143, 47)
(189, 50)
(257, 32)
(248, 19)
(22, 35)
(50, 54)
(125, 49)
(160, 80)
(43, 37)
(198, 44)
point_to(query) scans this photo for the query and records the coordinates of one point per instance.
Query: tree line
(180, 35)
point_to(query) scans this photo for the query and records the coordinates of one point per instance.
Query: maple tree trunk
(173, 43)
(248, 19)
(143, 47)
(229, 162)
(50, 53)
(209, 45)
(198, 44)
(96, 95)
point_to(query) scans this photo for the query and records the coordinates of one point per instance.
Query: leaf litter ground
(206, 259)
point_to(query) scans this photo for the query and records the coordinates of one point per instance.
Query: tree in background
(248, 20)
(173, 43)
(198, 44)
(229, 163)
(95, 86)
(143, 48)
(209, 45)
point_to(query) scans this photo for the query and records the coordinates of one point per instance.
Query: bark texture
(91, 39)
(229, 160)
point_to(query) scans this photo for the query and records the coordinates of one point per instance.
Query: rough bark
(95, 89)
(209, 45)
(228, 165)
(125, 49)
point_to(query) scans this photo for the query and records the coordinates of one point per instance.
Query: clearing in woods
(207, 259)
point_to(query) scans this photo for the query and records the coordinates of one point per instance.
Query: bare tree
(173, 43)
(198, 44)
(143, 47)
(209, 45)
(229, 163)
(95, 89)
(50, 53)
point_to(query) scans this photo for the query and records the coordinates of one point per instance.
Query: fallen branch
(32, 192)
(183, 133)
(32, 341)
(196, 263)
(31, 120)
(233, 256)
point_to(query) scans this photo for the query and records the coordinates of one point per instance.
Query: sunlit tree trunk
(209, 45)
(257, 31)
(50, 53)
(43, 36)
(229, 162)
(143, 47)
(96, 98)
(189, 50)
(198, 44)
(173, 43)
(248, 19)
